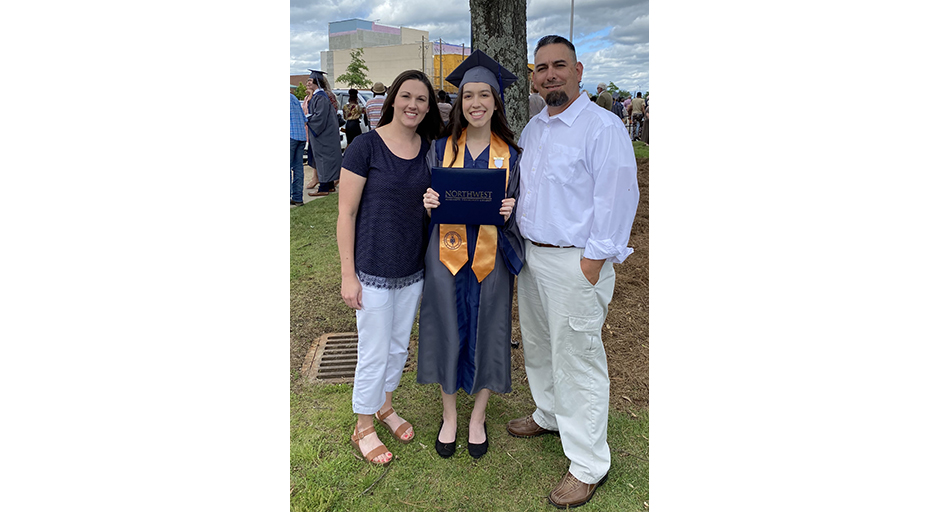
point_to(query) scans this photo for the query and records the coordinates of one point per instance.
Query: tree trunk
(498, 28)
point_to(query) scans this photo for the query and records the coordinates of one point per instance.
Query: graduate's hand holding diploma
(431, 200)
(506, 208)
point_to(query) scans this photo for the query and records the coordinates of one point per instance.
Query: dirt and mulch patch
(625, 335)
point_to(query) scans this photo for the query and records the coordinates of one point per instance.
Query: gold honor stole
(454, 236)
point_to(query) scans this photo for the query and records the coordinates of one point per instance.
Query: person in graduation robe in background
(324, 128)
(466, 309)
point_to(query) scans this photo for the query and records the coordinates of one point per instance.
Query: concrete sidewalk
(310, 176)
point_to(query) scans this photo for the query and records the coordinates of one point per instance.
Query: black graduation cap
(317, 76)
(480, 67)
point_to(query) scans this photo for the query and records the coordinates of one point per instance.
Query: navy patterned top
(390, 235)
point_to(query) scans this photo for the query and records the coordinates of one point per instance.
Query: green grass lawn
(515, 475)
(640, 149)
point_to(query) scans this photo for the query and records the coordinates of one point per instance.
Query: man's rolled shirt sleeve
(616, 195)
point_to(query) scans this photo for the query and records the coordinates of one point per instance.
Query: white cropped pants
(384, 324)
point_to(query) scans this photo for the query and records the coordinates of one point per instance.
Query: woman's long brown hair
(431, 126)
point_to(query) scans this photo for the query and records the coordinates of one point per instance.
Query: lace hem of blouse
(390, 283)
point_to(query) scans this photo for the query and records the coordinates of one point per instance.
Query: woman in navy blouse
(381, 237)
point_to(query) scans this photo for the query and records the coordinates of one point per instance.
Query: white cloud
(445, 19)
(318, 13)
(620, 54)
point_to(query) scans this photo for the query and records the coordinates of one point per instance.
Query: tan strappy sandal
(381, 450)
(401, 428)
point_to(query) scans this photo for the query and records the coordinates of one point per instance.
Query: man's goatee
(556, 98)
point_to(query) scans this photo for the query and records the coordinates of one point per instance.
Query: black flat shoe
(479, 450)
(444, 450)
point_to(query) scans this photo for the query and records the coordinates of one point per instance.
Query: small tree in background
(355, 74)
(300, 92)
(614, 90)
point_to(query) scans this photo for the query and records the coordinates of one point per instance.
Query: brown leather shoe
(571, 492)
(527, 427)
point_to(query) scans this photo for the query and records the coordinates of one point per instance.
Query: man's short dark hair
(553, 39)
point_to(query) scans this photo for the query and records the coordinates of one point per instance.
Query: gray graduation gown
(443, 357)
(326, 150)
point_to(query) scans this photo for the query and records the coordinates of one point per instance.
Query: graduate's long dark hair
(431, 126)
(498, 123)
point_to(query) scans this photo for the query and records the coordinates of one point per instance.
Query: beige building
(387, 51)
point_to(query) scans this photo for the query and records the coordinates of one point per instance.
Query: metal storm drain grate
(332, 358)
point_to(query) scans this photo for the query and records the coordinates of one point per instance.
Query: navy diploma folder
(468, 196)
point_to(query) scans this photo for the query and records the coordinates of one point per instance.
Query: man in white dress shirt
(576, 205)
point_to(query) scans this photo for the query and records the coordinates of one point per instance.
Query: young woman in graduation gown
(466, 308)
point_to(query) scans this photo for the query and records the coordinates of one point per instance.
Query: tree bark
(498, 28)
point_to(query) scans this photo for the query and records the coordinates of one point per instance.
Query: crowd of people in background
(356, 117)
(633, 110)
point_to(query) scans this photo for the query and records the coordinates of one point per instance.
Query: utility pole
(571, 31)
(440, 60)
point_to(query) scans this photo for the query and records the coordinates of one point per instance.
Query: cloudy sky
(611, 36)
